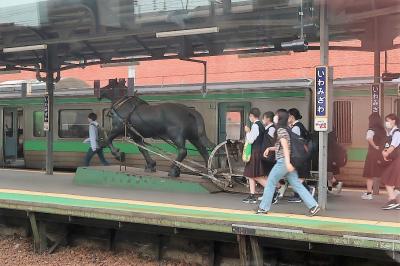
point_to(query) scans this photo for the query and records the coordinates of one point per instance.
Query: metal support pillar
(49, 150)
(323, 136)
(377, 80)
(52, 67)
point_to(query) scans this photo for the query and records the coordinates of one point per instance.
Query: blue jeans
(90, 153)
(278, 172)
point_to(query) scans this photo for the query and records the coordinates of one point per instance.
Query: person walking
(284, 169)
(93, 141)
(376, 137)
(254, 169)
(391, 154)
(299, 129)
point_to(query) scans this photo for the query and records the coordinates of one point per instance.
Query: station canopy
(85, 32)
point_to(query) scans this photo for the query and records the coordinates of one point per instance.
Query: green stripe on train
(78, 146)
(179, 97)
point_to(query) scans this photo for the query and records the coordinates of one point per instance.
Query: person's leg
(368, 195)
(261, 180)
(89, 156)
(392, 202)
(103, 160)
(301, 190)
(390, 191)
(252, 183)
(277, 172)
(251, 198)
(370, 183)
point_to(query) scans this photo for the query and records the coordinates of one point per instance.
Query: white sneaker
(367, 196)
(312, 191)
(282, 190)
(339, 187)
(260, 198)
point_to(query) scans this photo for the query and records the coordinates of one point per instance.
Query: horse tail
(201, 130)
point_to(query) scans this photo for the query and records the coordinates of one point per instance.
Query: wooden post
(39, 234)
(257, 253)
(243, 251)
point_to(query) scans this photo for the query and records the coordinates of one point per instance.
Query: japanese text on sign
(321, 99)
(375, 98)
(46, 113)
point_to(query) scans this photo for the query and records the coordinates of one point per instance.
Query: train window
(73, 123)
(233, 125)
(9, 124)
(38, 118)
(342, 121)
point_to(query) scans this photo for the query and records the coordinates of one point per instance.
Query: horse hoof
(174, 172)
(150, 170)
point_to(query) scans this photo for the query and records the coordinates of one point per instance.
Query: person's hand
(266, 152)
(246, 129)
(290, 167)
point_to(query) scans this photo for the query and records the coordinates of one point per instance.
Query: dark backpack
(301, 150)
(101, 137)
(268, 142)
(304, 133)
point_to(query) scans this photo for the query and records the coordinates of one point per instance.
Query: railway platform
(348, 222)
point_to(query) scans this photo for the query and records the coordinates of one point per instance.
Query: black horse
(175, 123)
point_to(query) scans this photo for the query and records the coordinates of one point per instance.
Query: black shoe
(276, 197)
(251, 199)
(295, 200)
(390, 205)
(261, 211)
(314, 210)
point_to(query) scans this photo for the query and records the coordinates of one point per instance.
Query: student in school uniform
(391, 175)
(254, 169)
(269, 141)
(299, 129)
(269, 138)
(283, 168)
(376, 137)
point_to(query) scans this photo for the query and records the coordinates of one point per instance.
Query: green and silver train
(225, 109)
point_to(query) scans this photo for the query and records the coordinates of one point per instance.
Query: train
(225, 108)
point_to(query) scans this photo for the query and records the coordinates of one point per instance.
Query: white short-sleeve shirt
(370, 134)
(395, 138)
(271, 131)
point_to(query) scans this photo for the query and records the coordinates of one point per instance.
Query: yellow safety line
(189, 207)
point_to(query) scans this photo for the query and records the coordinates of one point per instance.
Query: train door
(10, 134)
(232, 117)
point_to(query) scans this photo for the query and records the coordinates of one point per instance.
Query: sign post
(321, 99)
(376, 98)
(46, 113)
(322, 124)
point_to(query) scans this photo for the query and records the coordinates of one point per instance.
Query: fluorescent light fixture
(187, 32)
(264, 54)
(25, 48)
(5, 72)
(116, 64)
